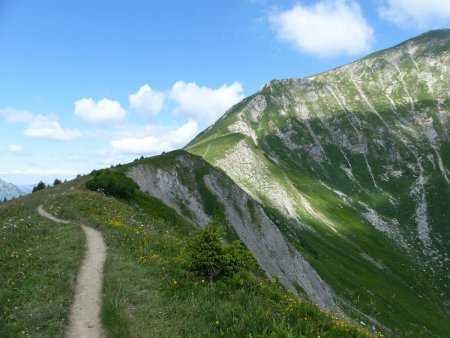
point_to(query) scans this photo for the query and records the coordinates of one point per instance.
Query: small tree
(209, 257)
(57, 181)
(40, 186)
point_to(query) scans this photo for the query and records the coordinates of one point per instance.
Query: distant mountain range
(27, 189)
(9, 191)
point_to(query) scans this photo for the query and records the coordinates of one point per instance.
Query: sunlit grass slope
(147, 290)
(38, 265)
(359, 157)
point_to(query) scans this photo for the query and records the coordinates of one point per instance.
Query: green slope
(338, 184)
(147, 289)
(358, 160)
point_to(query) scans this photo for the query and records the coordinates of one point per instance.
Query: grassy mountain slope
(356, 160)
(38, 264)
(201, 193)
(342, 195)
(147, 290)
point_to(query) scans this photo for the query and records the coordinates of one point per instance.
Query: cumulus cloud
(203, 102)
(38, 126)
(15, 115)
(15, 148)
(147, 101)
(37, 171)
(145, 145)
(45, 127)
(415, 13)
(157, 143)
(103, 111)
(326, 29)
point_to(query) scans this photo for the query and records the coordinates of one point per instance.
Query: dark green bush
(57, 181)
(208, 257)
(40, 186)
(96, 172)
(112, 183)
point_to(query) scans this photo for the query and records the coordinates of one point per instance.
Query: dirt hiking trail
(84, 321)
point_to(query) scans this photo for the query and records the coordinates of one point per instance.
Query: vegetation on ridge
(148, 290)
(356, 157)
(39, 260)
(112, 183)
(359, 156)
(210, 258)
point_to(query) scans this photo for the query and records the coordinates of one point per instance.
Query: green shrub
(112, 183)
(40, 186)
(96, 172)
(208, 257)
(57, 181)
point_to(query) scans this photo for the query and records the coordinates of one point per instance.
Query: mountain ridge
(362, 149)
(338, 184)
(9, 190)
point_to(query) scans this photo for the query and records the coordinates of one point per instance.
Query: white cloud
(38, 126)
(147, 101)
(155, 144)
(203, 102)
(183, 134)
(37, 171)
(44, 127)
(145, 145)
(15, 115)
(103, 111)
(326, 29)
(15, 148)
(415, 13)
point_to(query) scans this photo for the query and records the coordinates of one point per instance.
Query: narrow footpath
(84, 321)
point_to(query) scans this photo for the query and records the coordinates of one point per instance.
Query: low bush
(113, 184)
(208, 257)
(40, 186)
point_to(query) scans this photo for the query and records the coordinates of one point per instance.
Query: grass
(148, 292)
(410, 286)
(39, 261)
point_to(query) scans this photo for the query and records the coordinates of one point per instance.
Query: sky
(86, 84)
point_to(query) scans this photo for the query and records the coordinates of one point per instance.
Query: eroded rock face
(245, 215)
(166, 186)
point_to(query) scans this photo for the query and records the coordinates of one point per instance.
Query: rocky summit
(351, 166)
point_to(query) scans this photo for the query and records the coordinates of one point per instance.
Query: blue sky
(89, 83)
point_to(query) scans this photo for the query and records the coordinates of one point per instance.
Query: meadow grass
(38, 264)
(148, 292)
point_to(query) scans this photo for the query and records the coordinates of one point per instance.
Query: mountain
(150, 287)
(338, 183)
(354, 165)
(9, 190)
(200, 192)
(27, 189)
